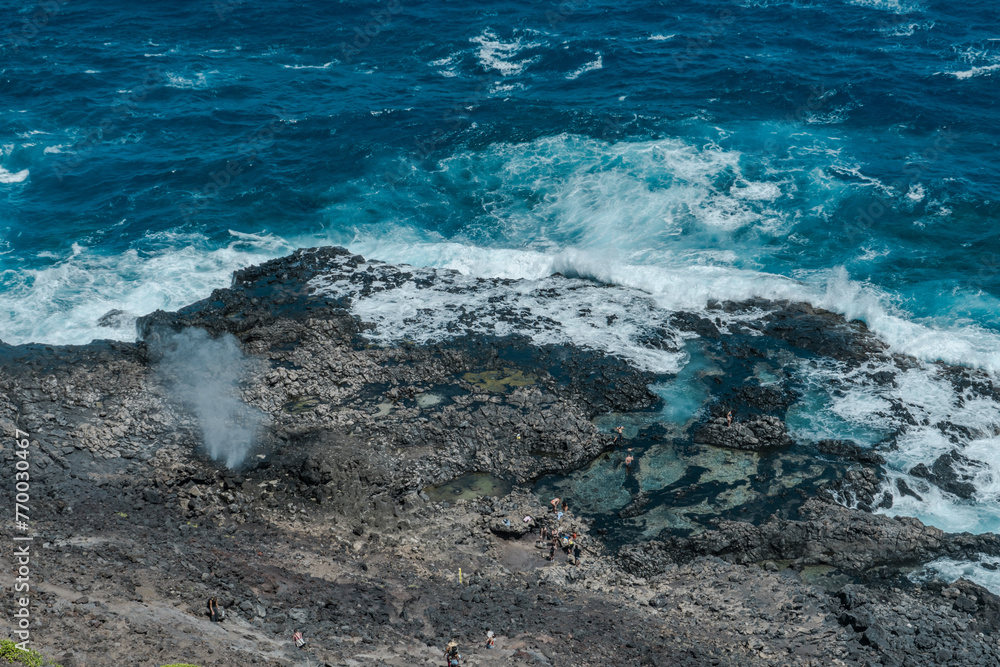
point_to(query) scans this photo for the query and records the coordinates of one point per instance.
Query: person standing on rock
(299, 640)
(620, 438)
(729, 418)
(576, 553)
(555, 504)
(491, 639)
(451, 656)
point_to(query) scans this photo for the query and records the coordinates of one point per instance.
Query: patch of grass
(9, 652)
(180, 664)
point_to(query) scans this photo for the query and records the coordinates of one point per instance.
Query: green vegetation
(300, 405)
(180, 664)
(500, 381)
(9, 652)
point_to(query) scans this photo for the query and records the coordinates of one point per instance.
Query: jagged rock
(847, 449)
(115, 319)
(758, 433)
(827, 534)
(905, 489)
(510, 526)
(361, 428)
(945, 475)
(635, 506)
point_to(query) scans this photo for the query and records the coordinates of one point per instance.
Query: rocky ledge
(273, 448)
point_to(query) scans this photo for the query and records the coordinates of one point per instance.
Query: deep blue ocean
(841, 152)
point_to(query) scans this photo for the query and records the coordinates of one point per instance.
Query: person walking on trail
(491, 639)
(451, 656)
(299, 640)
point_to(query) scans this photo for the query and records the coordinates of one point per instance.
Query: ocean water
(840, 152)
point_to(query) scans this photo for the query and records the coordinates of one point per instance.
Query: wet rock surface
(950, 472)
(326, 526)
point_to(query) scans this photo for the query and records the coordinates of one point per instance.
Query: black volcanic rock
(754, 434)
(847, 449)
(635, 507)
(328, 525)
(945, 475)
(827, 534)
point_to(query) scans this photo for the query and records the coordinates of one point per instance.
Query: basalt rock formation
(327, 522)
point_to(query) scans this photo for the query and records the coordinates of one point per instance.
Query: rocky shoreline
(333, 431)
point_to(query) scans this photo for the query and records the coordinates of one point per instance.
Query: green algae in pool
(498, 382)
(469, 487)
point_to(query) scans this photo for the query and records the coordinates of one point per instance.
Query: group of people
(569, 545)
(619, 441)
(555, 538)
(452, 657)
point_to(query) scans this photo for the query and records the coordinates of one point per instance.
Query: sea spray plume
(202, 373)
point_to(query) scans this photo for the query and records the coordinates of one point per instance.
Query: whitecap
(975, 71)
(588, 67)
(323, 66)
(894, 6)
(61, 303)
(13, 177)
(197, 81)
(496, 54)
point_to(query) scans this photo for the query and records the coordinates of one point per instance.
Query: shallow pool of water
(469, 487)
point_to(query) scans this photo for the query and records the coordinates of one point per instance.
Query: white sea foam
(648, 215)
(197, 81)
(596, 64)
(61, 304)
(985, 572)
(496, 54)
(501, 88)
(905, 29)
(616, 320)
(660, 38)
(916, 192)
(975, 71)
(981, 59)
(894, 6)
(323, 66)
(12, 177)
(929, 418)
